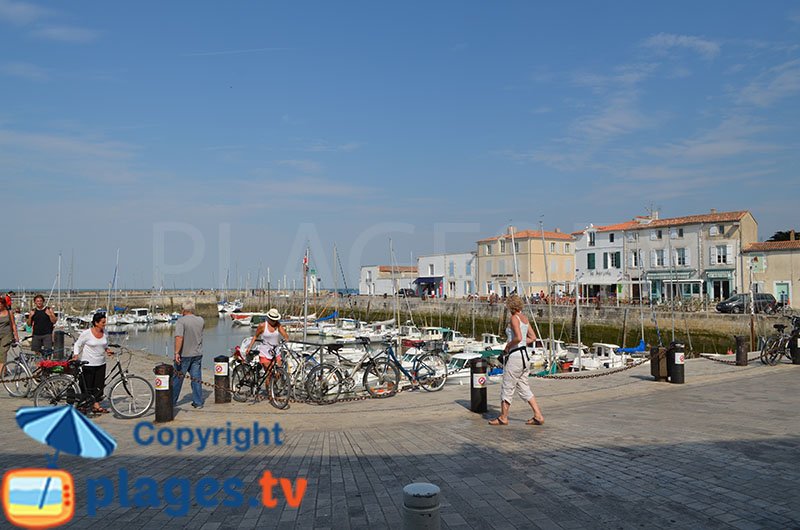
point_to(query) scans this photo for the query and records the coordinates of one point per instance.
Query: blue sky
(209, 140)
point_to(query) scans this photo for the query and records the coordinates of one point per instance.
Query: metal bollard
(676, 354)
(222, 380)
(58, 345)
(164, 410)
(421, 506)
(794, 347)
(741, 350)
(477, 385)
(658, 363)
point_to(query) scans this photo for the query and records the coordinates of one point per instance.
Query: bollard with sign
(421, 506)
(222, 382)
(163, 385)
(477, 387)
(676, 359)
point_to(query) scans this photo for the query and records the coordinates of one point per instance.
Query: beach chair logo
(45, 497)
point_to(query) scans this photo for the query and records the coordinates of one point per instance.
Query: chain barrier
(557, 376)
(729, 363)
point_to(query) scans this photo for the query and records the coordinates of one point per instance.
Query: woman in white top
(92, 346)
(517, 366)
(270, 333)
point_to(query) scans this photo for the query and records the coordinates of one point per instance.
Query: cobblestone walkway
(721, 451)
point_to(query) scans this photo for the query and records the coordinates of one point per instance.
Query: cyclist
(92, 346)
(8, 330)
(270, 333)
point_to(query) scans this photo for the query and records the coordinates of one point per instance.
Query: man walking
(188, 353)
(42, 320)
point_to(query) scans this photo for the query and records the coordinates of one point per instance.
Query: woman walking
(517, 366)
(8, 330)
(92, 346)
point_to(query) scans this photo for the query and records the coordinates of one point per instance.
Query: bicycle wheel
(132, 397)
(16, 379)
(776, 352)
(55, 391)
(279, 388)
(431, 372)
(243, 383)
(766, 348)
(381, 379)
(324, 383)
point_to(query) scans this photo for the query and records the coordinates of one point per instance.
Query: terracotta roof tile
(720, 217)
(766, 246)
(530, 234)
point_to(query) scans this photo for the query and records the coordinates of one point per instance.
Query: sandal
(101, 410)
(498, 421)
(534, 421)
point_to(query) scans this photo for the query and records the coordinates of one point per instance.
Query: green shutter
(590, 261)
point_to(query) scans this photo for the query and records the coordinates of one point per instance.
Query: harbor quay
(616, 451)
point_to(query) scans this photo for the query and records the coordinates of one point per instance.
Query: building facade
(379, 280)
(501, 258)
(450, 275)
(600, 267)
(775, 269)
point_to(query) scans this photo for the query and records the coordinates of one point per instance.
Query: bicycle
(428, 370)
(130, 397)
(776, 346)
(21, 376)
(327, 380)
(249, 376)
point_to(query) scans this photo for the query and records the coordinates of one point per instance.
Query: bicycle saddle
(363, 340)
(779, 327)
(78, 362)
(334, 347)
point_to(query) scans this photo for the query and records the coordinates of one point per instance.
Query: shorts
(42, 341)
(515, 378)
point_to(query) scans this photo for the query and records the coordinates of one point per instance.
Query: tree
(782, 235)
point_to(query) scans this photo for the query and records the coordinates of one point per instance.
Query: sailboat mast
(520, 291)
(59, 281)
(335, 283)
(305, 297)
(549, 294)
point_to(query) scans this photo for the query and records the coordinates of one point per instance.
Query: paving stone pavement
(621, 451)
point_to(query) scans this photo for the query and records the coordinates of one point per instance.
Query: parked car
(740, 303)
(407, 293)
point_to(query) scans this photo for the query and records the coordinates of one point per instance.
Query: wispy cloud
(24, 71)
(773, 85)
(322, 146)
(664, 42)
(618, 117)
(733, 137)
(84, 159)
(22, 13)
(234, 52)
(306, 166)
(66, 34)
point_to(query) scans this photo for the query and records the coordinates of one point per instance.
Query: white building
(377, 280)
(451, 275)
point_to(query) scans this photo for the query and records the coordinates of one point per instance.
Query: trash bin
(658, 363)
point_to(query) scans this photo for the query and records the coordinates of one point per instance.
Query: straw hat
(273, 314)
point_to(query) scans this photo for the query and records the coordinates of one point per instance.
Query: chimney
(654, 215)
(713, 210)
(512, 230)
(558, 230)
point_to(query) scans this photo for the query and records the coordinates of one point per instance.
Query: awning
(719, 275)
(429, 279)
(675, 275)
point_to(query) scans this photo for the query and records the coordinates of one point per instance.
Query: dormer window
(591, 239)
(610, 238)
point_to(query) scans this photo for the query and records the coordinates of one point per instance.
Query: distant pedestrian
(269, 334)
(92, 346)
(8, 297)
(517, 365)
(8, 330)
(188, 354)
(42, 321)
